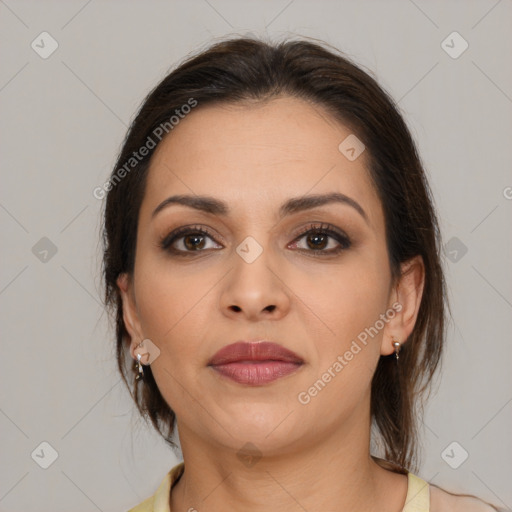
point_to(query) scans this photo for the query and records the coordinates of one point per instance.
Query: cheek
(347, 350)
(349, 298)
(173, 310)
(168, 295)
(172, 306)
(350, 304)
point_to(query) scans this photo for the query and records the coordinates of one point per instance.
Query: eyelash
(166, 242)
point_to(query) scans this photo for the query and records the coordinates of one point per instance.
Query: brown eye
(322, 239)
(317, 241)
(188, 240)
(192, 242)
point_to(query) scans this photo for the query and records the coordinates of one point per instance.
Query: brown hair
(242, 69)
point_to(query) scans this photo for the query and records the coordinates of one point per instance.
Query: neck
(332, 471)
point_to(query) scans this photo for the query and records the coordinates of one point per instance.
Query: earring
(396, 344)
(139, 367)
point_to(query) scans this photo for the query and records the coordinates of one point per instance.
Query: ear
(130, 315)
(405, 300)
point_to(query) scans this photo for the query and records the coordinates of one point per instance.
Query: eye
(317, 240)
(187, 239)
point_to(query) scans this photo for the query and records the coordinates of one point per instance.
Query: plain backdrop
(63, 117)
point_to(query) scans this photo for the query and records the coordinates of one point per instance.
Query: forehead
(259, 152)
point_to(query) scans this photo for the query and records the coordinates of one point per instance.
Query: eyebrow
(215, 206)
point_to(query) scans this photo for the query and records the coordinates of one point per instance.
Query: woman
(272, 259)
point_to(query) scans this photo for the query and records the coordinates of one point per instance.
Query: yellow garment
(417, 499)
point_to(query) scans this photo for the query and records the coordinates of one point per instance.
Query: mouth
(255, 363)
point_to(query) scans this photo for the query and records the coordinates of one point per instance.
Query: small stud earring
(138, 365)
(396, 344)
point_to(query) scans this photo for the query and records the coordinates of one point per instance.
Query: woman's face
(333, 307)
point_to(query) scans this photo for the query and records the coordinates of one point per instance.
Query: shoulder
(145, 506)
(444, 501)
(159, 502)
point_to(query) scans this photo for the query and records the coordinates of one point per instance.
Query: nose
(255, 290)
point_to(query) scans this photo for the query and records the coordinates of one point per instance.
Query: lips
(255, 363)
(254, 351)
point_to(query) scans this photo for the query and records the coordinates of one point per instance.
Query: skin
(254, 157)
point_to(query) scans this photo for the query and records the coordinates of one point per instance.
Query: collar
(417, 499)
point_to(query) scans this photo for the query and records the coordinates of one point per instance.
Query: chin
(270, 430)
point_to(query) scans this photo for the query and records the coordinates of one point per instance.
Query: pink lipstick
(255, 363)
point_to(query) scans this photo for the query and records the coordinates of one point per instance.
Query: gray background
(62, 121)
